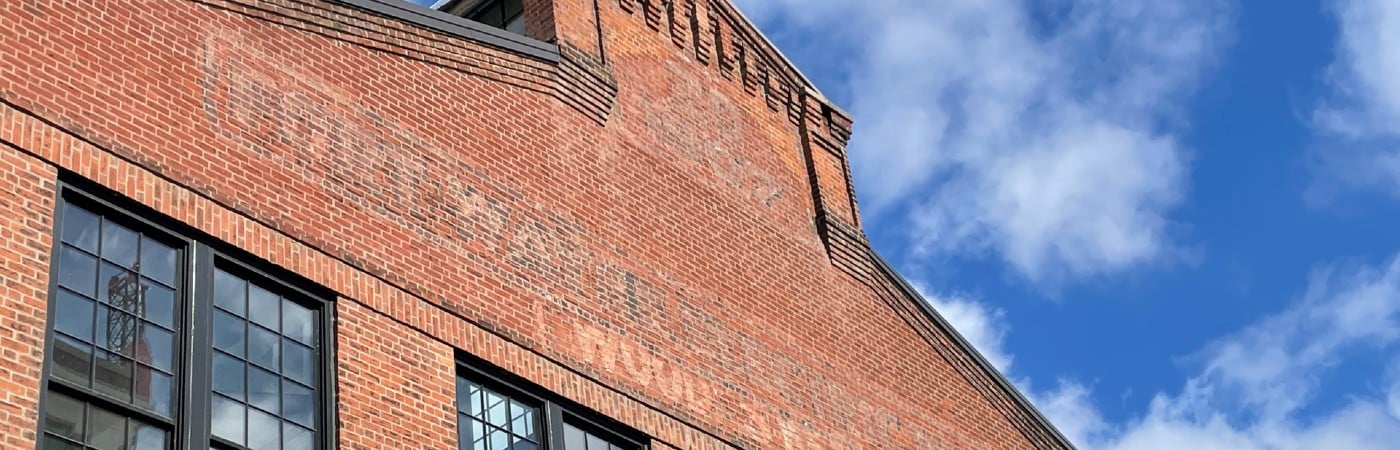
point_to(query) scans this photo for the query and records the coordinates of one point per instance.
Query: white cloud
(1255, 386)
(1071, 408)
(1357, 121)
(983, 326)
(1050, 144)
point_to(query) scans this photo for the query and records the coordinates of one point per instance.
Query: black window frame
(554, 410)
(478, 13)
(197, 256)
(461, 27)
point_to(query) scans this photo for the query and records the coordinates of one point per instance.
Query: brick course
(658, 226)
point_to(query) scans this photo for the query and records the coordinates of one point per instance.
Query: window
(158, 341)
(504, 14)
(493, 414)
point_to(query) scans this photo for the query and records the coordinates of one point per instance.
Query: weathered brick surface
(634, 226)
(404, 374)
(26, 199)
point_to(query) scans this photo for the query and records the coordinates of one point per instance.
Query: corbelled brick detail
(586, 83)
(630, 225)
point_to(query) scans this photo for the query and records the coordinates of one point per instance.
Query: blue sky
(1172, 223)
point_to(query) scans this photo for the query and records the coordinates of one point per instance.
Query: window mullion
(199, 356)
(554, 426)
(326, 371)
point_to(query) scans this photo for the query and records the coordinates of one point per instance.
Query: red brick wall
(27, 199)
(654, 257)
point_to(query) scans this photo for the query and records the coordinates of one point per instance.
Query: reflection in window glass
(488, 420)
(73, 423)
(504, 14)
(265, 364)
(114, 313)
(578, 439)
(119, 344)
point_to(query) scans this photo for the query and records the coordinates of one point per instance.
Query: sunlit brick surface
(633, 227)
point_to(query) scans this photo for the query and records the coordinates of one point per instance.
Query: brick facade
(654, 220)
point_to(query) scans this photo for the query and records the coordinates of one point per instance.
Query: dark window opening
(508, 15)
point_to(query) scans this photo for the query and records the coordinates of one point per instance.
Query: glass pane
(77, 271)
(106, 430)
(153, 390)
(119, 287)
(522, 420)
(53, 443)
(500, 440)
(158, 304)
(496, 410)
(595, 442)
(264, 431)
(228, 333)
(116, 331)
(298, 404)
(298, 362)
(295, 437)
(263, 389)
(263, 307)
(228, 375)
(263, 347)
(226, 420)
(113, 375)
(491, 16)
(80, 228)
(463, 387)
(522, 444)
(512, 7)
(72, 360)
(516, 25)
(156, 351)
(64, 416)
(147, 437)
(73, 315)
(118, 244)
(158, 261)
(477, 431)
(471, 403)
(230, 293)
(298, 323)
(574, 438)
(466, 433)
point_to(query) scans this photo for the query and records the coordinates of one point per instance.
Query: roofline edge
(811, 87)
(958, 338)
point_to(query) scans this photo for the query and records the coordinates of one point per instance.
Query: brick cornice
(575, 78)
(718, 36)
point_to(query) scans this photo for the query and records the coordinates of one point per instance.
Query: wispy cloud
(1357, 122)
(1045, 135)
(1255, 386)
(983, 326)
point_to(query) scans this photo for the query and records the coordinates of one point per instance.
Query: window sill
(461, 27)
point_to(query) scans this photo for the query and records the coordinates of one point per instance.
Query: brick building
(563, 224)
